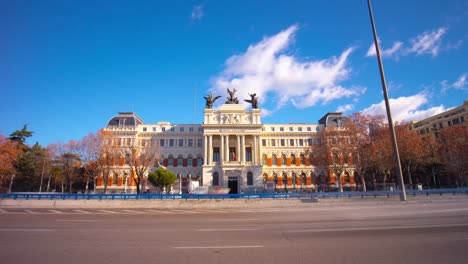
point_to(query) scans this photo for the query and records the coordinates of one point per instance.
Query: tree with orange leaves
(454, 142)
(9, 153)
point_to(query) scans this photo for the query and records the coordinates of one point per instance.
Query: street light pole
(396, 155)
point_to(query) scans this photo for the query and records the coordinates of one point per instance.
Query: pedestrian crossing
(122, 211)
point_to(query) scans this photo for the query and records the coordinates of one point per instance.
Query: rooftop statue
(231, 98)
(253, 100)
(210, 99)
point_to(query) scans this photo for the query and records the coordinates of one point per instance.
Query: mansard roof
(125, 119)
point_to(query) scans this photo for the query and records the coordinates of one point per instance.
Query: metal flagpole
(396, 155)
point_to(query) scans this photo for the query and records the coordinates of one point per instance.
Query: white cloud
(345, 108)
(425, 43)
(428, 42)
(461, 83)
(266, 69)
(406, 108)
(197, 13)
(397, 46)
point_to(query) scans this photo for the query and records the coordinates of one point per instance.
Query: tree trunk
(364, 188)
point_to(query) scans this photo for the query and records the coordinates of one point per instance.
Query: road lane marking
(25, 230)
(78, 220)
(373, 228)
(234, 219)
(108, 212)
(56, 212)
(132, 211)
(2, 211)
(82, 212)
(219, 247)
(225, 229)
(30, 212)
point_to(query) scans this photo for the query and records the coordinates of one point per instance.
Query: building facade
(231, 149)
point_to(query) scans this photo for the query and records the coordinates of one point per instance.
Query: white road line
(77, 220)
(30, 211)
(374, 228)
(25, 230)
(219, 247)
(226, 229)
(2, 211)
(132, 211)
(108, 212)
(158, 211)
(234, 219)
(82, 212)
(56, 212)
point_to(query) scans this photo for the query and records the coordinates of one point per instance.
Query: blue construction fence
(150, 196)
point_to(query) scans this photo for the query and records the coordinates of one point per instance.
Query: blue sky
(66, 67)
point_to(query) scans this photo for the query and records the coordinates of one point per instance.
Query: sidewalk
(227, 203)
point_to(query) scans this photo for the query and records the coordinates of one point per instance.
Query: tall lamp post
(180, 183)
(396, 155)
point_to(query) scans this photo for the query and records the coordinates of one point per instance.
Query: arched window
(115, 179)
(264, 159)
(180, 160)
(293, 159)
(199, 160)
(215, 178)
(273, 159)
(302, 159)
(170, 160)
(249, 178)
(190, 160)
(283, 159)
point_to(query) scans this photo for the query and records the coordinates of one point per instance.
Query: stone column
(243, 149)
(210, 149)
(205, 143)
(221, 151)
(227, 148)
(238, 151)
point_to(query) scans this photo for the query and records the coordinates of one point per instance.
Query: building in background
(231, 149)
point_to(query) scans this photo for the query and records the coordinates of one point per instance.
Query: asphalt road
(363, 233)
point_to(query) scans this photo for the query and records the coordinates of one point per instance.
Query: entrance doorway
(233, 183)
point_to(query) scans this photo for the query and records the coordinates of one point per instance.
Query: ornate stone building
(232, 148)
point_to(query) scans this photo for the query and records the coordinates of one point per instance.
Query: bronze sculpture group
(210, 99)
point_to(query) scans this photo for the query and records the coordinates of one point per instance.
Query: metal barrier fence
(150, 196)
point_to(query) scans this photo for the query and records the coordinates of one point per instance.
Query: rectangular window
(181, 129)
(263, 142)
(161, 142)
(299, 129)
(291, 129)
(190, 142)
(291, 142)
(282, 142)
(456, 121)
(249, 179)
(232, 154)
(309, 129)
(163, 129)
(309, 141)
(273, 143)
(200, 129)
(144, 129)
(449, 123)
(441, 125)
(154, 129)
(462, 119)
(200, 143)
(171, 142)
(172, 129)
(216, 154)
(190, 129)
(248, 154)
(272, 129)
(301, 142)
(181, 142)
(281, 129)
